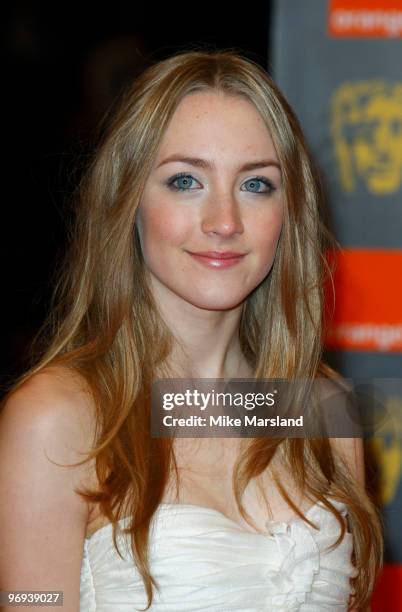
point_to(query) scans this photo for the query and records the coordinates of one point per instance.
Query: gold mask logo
(366, 126)
(386, 448)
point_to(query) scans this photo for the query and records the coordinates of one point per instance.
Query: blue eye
(261, 179)
(186, 180)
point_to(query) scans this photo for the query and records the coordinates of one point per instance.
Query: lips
(218, 254)
(218, 260)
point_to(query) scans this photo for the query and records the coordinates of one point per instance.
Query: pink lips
(218, 260)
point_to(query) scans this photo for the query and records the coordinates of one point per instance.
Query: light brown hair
(105, 326)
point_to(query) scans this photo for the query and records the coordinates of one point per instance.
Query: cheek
(267, 233)
(162, 227)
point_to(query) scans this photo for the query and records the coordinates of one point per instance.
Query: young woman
(197, 251)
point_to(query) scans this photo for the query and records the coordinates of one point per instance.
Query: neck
(207, 341)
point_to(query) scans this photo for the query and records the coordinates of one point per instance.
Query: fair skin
(43, 520)
(223, 208)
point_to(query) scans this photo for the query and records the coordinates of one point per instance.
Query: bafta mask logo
(366, 125)
(386, 446)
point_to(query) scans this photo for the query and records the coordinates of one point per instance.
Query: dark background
(65, 65)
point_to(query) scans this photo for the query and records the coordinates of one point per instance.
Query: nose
(221, 215)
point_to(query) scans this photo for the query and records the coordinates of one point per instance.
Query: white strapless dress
(203, 560)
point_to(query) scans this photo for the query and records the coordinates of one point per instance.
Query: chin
(218, 303)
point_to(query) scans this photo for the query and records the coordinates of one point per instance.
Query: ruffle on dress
(303, 553)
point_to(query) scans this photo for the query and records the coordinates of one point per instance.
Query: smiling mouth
(218, 260)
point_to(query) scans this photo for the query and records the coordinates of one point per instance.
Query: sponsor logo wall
(339, 64)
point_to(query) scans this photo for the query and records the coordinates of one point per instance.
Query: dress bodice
(203, 560)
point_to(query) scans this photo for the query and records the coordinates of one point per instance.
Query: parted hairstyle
(104, 324)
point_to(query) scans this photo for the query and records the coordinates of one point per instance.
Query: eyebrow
(205, 163)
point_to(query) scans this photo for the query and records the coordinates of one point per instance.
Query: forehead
(217, 123)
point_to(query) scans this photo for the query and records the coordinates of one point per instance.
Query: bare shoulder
(45, 424)
(51, 417)
(57, 400)
(49, 394)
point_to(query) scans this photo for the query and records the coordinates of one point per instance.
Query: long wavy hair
(104, 324)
